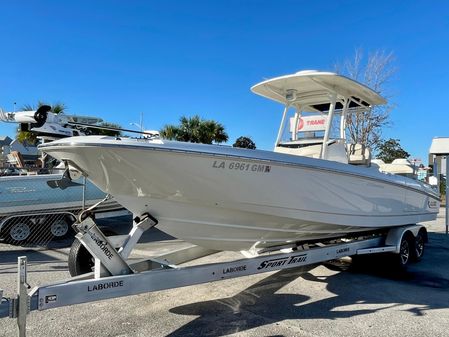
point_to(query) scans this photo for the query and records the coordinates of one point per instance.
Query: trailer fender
(395, 235)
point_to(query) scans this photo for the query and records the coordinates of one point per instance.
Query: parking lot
(326, 300)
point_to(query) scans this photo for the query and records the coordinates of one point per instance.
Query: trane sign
(309, 123)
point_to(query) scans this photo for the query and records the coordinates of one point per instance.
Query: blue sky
(116, 59)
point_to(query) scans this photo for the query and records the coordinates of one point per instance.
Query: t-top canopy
(440, 146)
(311, 88)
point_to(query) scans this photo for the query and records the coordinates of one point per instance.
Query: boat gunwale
(157, 147)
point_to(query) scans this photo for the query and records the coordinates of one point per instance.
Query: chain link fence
(37, 229)
(40, 210)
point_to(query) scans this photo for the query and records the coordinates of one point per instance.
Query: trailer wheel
(19, 231)
(406, 250)
(420, 240)
(80, 260)
(60, 228)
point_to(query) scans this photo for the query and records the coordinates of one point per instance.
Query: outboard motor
(31, 119)
(40, 116)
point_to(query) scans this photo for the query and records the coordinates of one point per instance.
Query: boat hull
(236, 199)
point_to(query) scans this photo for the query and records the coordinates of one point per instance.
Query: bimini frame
(312, 90)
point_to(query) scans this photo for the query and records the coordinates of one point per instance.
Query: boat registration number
(241, 166)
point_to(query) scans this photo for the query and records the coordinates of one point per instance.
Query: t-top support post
(333, 98)
(281, 127)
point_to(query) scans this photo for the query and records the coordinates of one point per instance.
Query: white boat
(400, 166)
(312, 186)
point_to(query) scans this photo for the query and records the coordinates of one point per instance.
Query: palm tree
(245, 142)
(55, 108)
(28, 137)
(195, 130)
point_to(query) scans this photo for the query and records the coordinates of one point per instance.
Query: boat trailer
(114, 277)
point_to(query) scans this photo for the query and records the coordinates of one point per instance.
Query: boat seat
(358, 154)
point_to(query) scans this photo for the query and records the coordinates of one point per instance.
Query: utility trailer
(36, 209)
(114, 277)
(42, 226)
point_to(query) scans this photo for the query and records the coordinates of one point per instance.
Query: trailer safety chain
(87, 212)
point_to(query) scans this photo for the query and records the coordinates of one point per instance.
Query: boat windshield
(307, 128)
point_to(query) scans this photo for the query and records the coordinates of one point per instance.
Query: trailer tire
(420, 240)
(80, 260)
(60, 228)
(18, 231)
(406, 251)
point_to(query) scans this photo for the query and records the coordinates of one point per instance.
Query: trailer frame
(114, 277)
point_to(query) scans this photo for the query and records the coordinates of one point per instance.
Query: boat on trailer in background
(312, 186)
(40, 205)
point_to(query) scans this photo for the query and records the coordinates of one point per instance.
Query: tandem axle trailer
(114, 277)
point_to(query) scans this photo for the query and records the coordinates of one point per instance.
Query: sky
(165, 59)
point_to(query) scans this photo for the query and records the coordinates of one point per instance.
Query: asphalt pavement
(326, 300)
